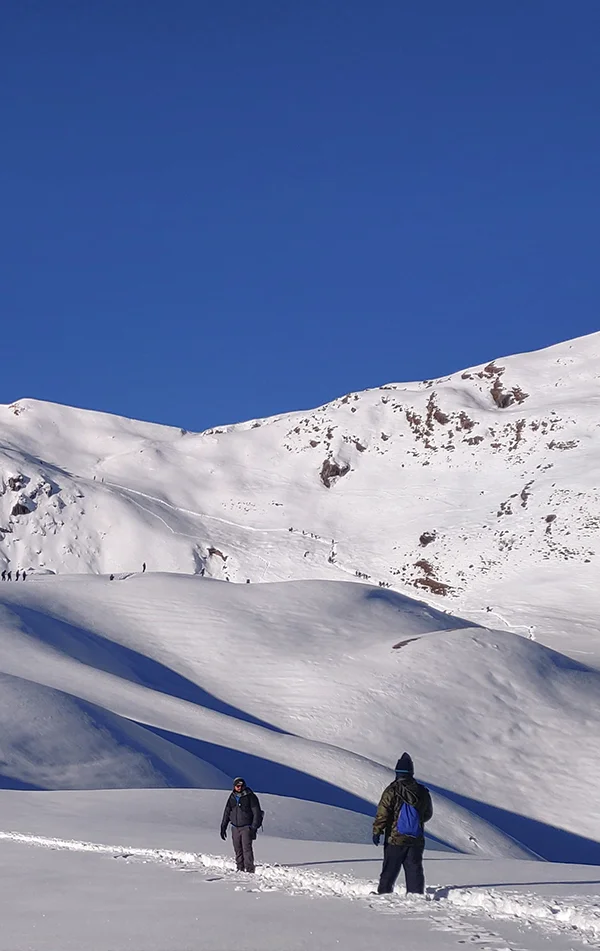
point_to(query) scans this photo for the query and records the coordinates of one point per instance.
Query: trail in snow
(173, 531)
(177, 508)
(223, 521)
(528, 628)
(580, 917)
(313, 536)
(166, 524)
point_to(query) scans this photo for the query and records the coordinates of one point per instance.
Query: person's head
(404, 767)
(239, 784)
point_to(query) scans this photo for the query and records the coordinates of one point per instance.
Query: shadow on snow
(267, 776)
(550, 843)
(98, 651)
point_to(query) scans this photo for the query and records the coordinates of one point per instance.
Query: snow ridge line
(582, 918)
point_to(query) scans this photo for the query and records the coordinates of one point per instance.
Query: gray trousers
(242, 843)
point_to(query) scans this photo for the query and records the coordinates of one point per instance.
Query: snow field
(576, 915)
(300, 686)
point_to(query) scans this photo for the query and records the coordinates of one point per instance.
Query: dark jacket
(388, 810)
(242, 810)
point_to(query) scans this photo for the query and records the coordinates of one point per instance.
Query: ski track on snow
(581, 919)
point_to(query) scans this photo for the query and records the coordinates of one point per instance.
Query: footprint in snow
(482, 939)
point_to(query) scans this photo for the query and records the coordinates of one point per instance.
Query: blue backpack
(409, 821)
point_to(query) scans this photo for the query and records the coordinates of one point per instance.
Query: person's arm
(255, 813)
(226, 815)
(382, 816)
(427, 807)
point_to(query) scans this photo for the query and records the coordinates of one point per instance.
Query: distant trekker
(143, 567)
(4, 575)
(403, 810)
(111, 577)
(17, 575)
(9, 576)
(243, 811)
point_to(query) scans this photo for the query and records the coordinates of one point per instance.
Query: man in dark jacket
(242, 810)
(403, 810)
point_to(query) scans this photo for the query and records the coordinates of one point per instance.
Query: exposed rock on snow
(441, 453)
(427, 538)
(18, 482)
(331, 471)
(23, 507)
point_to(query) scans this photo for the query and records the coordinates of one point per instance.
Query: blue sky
(219, 210)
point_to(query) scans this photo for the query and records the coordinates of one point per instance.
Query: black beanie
(404, 766)
(238, 779)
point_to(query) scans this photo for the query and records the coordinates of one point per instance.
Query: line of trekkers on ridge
(7, 575)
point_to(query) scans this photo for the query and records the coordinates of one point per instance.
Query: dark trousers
(242, 843)
(409, 856)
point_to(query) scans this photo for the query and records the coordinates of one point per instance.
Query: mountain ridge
(449, 489)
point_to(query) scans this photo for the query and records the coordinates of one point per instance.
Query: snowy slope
(145, 869)
(480, 491)
(312, 689)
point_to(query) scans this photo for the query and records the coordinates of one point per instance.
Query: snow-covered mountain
(401, 526)
(479, 491)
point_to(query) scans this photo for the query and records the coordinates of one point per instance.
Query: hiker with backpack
(243, 811)
(404, 808)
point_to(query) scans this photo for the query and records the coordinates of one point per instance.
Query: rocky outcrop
(23, 507)
(18, 482)
(427, 538)
(331, 471)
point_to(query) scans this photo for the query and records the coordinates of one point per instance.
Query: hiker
(404, 808)
(8, 576)
(243, 811)
(4, 575)
(143, 567)
(111, 577)
(17, 577)
(23, 575)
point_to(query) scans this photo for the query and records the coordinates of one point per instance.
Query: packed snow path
(448, 908)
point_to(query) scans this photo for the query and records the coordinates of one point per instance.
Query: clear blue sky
(226, 209)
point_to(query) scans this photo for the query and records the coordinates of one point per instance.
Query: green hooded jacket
(388, 810)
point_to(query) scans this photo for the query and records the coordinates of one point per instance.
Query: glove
(253, 834)
(376, 838)
(223, 834)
